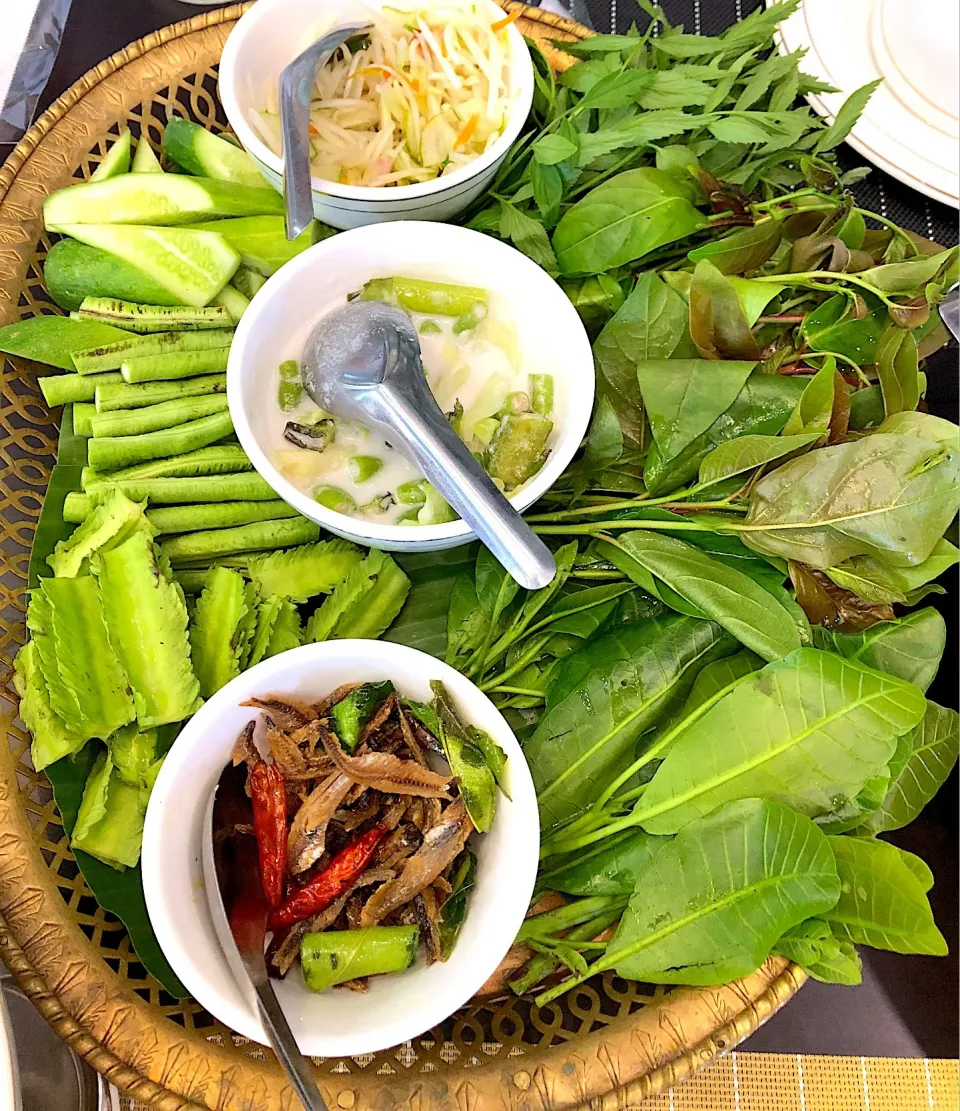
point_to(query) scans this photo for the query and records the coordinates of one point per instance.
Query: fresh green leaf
(846, 117)
(882, 903)
(718, 324)
(649, 325)
(551, 149)
(605, 437)
(811, 945)
(636, 132)
(747, 452)
(683, 397)
(719, 591)
(805, 731)
(762, 407)
(910, 648)
(716, 898)
(628, 679)
(911, 275)
(815, 406)
(887, 496)
(741, 250)
(623, 219)
(899, 371)
(877, 582)
(611, 867)
(834, 327)
(527, 235)
(932, 756)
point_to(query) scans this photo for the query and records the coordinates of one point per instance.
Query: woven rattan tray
(611, 1043)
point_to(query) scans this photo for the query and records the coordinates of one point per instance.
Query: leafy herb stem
(861, 377)
(526, 691)
(598, 528)
(516, 667)
(598, 576)
(816, 279)
(889, 224)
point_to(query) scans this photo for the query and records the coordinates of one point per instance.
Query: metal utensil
(362, 362)
(950, 311)
(296, 85)
(245, 910)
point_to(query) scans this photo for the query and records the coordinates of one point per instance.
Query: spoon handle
(445, 460)
(284, 1045)
(296, 86)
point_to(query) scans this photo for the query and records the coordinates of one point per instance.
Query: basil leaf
(932, 755)
(719, 591)
(804, 731)
(910, 647)
(683, 397)
(888, 496)
(716, 898)
(648, 325)
(626, 681)
(898, 370)
(623, 219)
(882, 902)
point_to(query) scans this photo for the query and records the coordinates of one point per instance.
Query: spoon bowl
(362, 362)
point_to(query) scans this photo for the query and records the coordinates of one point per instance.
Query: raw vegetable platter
(79, 964)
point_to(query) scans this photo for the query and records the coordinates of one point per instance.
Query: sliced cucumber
(144, 160)
(248, 281)
(116, 160)
(75, 270)
(202, 153)
(193, 266)
(233, 301)
(158, 199)
(262, 241)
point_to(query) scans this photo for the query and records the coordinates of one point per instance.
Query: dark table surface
(906, 1006)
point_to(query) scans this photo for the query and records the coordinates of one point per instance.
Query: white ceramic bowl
(275, 327)
(333, 1023)
(273, 32)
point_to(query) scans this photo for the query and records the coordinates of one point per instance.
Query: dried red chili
(269, 796)
(338, 876)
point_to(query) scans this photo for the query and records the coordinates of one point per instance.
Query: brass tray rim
(761, 994)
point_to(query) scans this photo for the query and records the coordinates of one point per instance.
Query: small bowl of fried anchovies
(389, 824)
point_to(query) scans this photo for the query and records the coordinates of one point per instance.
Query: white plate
(910, 128)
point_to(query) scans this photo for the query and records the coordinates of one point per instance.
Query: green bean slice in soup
(492, 389)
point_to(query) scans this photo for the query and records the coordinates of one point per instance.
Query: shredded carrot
(313, 130)
(501, 24)
(468, 129)
(372, 71)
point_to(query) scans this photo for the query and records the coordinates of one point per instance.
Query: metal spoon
(244, 919)
(296, 85)
(362, 362)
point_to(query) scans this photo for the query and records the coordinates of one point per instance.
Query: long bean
(154, 368)
(261, 536)
(184, 491)
(179, 519)
(118, 394)
(110, 453)
(83, 414)
(216, 459)
(113, 355)
(153, 418)
(63, 389)
(153, 318)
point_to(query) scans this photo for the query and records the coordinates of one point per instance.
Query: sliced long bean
(154, 418)
(261, 536)
(213, 460)
(188, 491)
(110, 453)
(161, 368)
(63, 389)
(419, 295)
(179, 519)
(118, 394)
(153, 318)
(112, 356)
